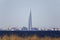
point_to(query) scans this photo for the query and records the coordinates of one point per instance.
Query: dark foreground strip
(31, 33)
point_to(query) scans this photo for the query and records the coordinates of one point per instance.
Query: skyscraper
(30, 21)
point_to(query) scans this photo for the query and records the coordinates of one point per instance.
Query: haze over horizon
(45, 13)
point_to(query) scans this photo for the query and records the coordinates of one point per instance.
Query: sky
(45, 13)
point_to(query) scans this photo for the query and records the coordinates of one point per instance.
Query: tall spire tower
(30, 21)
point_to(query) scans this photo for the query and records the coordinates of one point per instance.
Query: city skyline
(45, 13)
(30, 27)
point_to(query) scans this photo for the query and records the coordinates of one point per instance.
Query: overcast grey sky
(45, 13)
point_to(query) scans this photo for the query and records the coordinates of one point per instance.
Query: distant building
(34, 29)
(30, 28)
(24, 29)
(30, 21)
